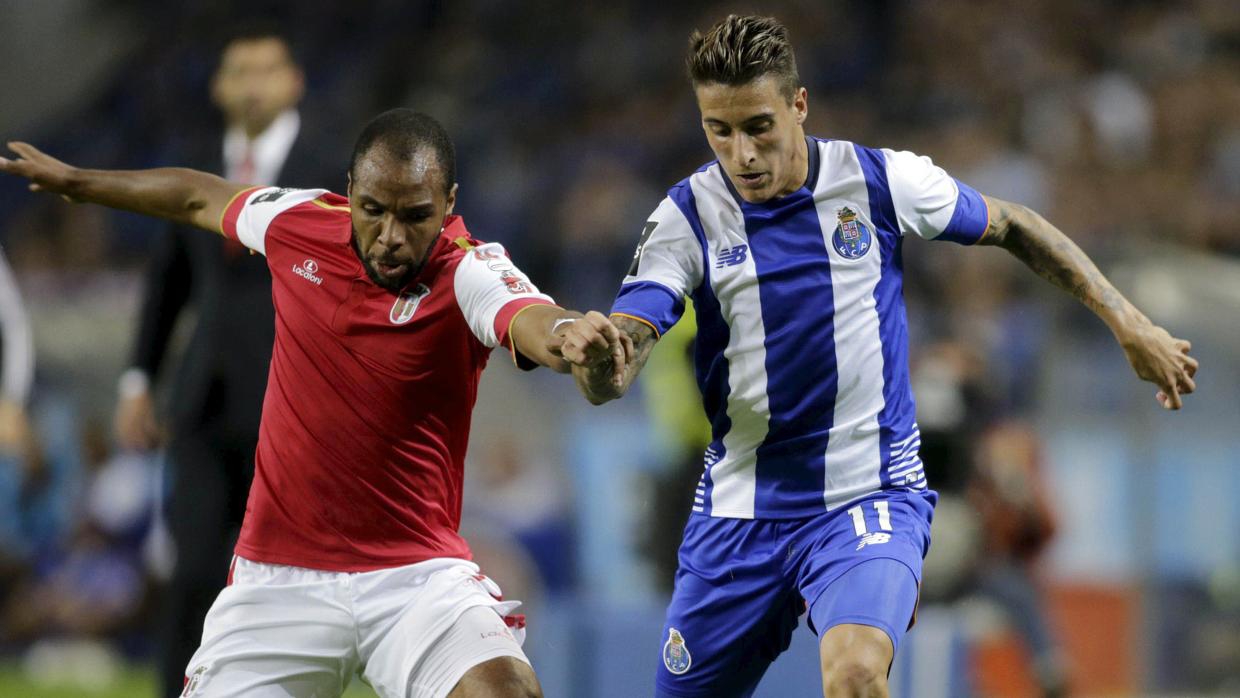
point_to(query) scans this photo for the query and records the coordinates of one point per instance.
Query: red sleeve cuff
(228, 221)
(503, 326)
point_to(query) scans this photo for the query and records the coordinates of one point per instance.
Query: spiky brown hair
(740, 49)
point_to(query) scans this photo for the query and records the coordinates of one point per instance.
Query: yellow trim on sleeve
(643, 321)
(328, 206)
(463, 243)
(231, 200)
(986, 230)
(512, 344)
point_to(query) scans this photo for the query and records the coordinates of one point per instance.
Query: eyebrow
(364, 199)
(756, 117)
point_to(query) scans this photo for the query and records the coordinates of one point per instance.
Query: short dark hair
(258, 30)
(740, 49)
(402, 133)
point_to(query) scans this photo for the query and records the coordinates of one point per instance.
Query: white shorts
(411, 632)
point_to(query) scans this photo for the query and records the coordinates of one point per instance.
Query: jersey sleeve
(249, 216)
(666, 267)
(931, 203)
(491, 290)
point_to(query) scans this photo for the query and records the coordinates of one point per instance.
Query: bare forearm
(1052, 255)
(530, 329)
(180, 195)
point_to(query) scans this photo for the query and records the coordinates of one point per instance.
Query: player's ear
(348, 188)
(451, 200)
(800, 104)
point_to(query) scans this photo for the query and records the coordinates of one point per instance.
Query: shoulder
(296, 213)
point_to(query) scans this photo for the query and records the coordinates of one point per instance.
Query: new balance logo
(731, 256)
(306, 270)
(873, 539)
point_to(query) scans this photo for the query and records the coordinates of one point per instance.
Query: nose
(391, 234)
(744, 148)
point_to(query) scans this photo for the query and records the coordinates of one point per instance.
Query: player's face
(756, 133)
(398, 210)
(257, 79)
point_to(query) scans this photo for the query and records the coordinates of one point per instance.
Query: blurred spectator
(519, 493)
(1008, 491)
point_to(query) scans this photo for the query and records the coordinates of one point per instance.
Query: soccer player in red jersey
(349, 558)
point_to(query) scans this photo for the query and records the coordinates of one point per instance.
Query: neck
(254, 129)
(799, 173)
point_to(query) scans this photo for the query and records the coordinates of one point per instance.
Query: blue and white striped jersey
(802, 344)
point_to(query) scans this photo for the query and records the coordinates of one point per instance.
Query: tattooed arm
(1154, 354)
(601, 382)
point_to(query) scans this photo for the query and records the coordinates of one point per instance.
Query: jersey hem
(801, 513)
(336, 565)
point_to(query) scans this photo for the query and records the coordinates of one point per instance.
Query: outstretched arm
(607, 379)
(180, 195)
(1154, 354)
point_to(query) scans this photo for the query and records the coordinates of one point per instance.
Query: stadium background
(1120, 121)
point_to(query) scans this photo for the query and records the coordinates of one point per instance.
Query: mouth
(390, 271)
(752, 180)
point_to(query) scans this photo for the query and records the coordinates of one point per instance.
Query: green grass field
(129, 682)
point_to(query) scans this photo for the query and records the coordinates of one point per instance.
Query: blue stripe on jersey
(970, 219)
(798, 308)
(895, 420)
(652, 302)
(710, 365)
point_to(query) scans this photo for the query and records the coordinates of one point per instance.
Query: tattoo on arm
(596, 384)
(1054, 257)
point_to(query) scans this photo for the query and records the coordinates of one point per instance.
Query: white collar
(269, 149)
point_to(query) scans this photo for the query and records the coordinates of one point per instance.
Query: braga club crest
(406, 304)
(851, 239)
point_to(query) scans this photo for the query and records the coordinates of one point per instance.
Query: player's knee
(855, 660)
(854, 677)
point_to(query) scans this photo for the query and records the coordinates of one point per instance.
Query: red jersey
(361, 448)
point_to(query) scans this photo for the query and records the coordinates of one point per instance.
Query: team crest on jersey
(851, 239)
(405, 306)
(676, 655)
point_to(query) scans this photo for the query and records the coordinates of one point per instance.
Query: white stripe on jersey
(735, 475)
(853, 451)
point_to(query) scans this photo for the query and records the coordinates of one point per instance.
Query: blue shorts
(742, 584)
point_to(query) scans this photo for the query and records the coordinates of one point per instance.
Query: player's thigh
(502, 677)
(879, 543)
(284, 640)
(476, 657)
(732, 612)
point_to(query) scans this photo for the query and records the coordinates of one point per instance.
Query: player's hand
(593, 342)
(45, 172)
(136, 428)
(1163, 360)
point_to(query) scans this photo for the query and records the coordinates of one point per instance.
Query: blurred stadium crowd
(1119, 121)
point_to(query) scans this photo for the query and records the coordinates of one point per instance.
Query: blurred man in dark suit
(216, 393)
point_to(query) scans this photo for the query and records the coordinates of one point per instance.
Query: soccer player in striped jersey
(812, 496)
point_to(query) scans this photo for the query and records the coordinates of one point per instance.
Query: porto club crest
(851, 238)
(676, 655)
(407, 303)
